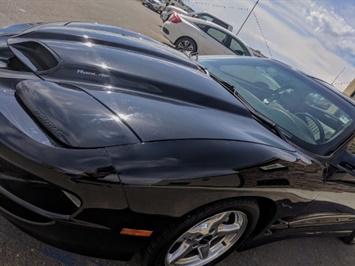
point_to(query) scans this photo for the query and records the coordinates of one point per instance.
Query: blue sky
(317, 37)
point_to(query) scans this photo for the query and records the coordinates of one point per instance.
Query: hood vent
(36, 56)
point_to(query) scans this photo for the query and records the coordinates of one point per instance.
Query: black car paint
(47, 101)
(181, 158)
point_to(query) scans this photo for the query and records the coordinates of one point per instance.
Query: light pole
(337, 76)
(251, 11)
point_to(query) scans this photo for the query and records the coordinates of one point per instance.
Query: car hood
(157, 93)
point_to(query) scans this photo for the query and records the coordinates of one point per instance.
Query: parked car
(168, 11)
(179, 4)
(156, 5)
(196, 35)
(113, 144)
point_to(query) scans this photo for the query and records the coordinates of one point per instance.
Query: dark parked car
(113, 144)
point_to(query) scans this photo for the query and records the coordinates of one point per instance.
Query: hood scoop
(36, 56)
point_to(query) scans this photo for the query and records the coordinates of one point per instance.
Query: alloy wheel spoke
(188, 46)
(216, 221)
(228, 229)
(204, 251)
(208, 239)
(181, 252)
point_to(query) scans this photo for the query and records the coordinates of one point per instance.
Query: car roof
(177, 9)
(211, 15)
(205, 22)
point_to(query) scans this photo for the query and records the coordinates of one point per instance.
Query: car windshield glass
(307, 113)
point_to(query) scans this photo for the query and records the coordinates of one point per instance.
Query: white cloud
(331, 25)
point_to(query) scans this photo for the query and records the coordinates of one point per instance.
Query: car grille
(10, 207)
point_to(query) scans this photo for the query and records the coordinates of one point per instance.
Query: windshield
(306, 112)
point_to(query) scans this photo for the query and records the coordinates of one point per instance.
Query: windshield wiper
(258, 116)
(225, 84)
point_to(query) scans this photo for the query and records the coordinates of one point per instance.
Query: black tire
(186, 44)
(207, 244)
(350, 240)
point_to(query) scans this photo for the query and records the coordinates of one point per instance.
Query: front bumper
(72, 199)
(86, 174)
(83, 240)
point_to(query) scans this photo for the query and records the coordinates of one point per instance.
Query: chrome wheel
(207, 240)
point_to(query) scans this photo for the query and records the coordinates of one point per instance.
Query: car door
(211, 40)
(334, 207)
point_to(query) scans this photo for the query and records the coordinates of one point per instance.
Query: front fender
(175, 177)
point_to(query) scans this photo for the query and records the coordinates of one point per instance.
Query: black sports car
(113, 144)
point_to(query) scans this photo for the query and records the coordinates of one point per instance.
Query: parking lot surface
(16, 248)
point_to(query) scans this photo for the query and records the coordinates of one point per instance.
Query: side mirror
(347, 163)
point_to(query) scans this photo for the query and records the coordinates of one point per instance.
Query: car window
(204, 17)
(308, 113)
(216, 34)
(237, 48)
(299, 99)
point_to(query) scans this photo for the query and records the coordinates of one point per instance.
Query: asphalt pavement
(17, 248)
